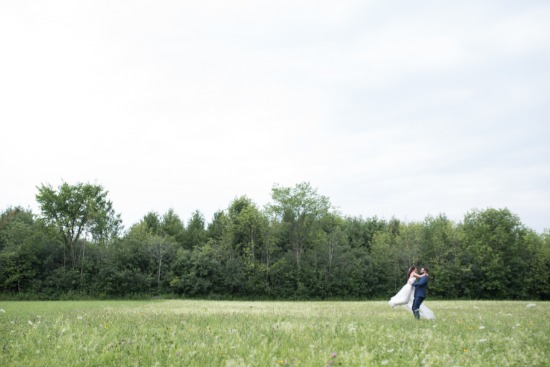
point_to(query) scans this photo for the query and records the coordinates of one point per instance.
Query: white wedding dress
(405, 297)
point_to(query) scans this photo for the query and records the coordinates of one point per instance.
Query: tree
(173, 226)
(151, 222)
(360, 232)
(162, 252)
(537, 256)
(247, 234)
(247, 227)
(495, 238)
(195, 234)
(17, 258)
(80, 211)
(440, 250)
(300, 209)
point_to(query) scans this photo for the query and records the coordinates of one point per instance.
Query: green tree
(172, 226)
(495, 238)
(441, 251)
(131, 268)
(151, 222)
(163, 250)
(537, 271)
(80, 211)
(195, 233)
(360, 232)
(248, 227)
(18, 260)
(389, 263)
(300, 209)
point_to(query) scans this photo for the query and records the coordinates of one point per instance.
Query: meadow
(234, 333)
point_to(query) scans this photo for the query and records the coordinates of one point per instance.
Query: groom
(420, 292)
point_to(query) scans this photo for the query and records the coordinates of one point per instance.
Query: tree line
(296, 247)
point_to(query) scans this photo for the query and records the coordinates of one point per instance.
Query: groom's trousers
(416, 306)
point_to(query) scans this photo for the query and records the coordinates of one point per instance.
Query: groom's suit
(419, 294)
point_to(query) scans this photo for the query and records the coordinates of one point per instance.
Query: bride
(405, 296)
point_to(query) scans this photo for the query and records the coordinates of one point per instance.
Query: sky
(389, 108)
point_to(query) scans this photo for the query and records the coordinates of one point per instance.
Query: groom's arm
(421, 281)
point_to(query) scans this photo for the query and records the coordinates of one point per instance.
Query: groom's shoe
(416, 315)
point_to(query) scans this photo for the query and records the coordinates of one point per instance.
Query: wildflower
(482, 340)
(2, 310)
(30, 322)
(384, 362)
(481, 327)
(330, 362)
(465, 350)
(530, 305)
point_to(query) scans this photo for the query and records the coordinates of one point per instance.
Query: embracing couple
(413, 294)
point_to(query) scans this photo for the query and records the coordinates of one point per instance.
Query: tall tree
(247, 227)
(80, 211)
(173, 226)
(195, 234)
(495, 239)
(300, 209)
(17, 256)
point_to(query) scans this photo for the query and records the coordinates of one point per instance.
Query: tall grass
(223, 333)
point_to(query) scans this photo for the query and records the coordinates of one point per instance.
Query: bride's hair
(411, 269)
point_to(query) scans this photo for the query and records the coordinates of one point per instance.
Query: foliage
(296, 247)
(79, 211)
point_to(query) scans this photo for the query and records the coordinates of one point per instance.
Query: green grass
(219, 333)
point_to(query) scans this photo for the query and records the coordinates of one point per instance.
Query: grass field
(220, 333)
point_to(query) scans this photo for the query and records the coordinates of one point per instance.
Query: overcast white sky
(389, 108)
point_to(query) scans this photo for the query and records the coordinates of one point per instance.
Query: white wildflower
(30, 322)
(390, 350)
(2, 310)
(530, 305)
(481, 327)
(384, 362)
(79, 317)
(482, 340)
